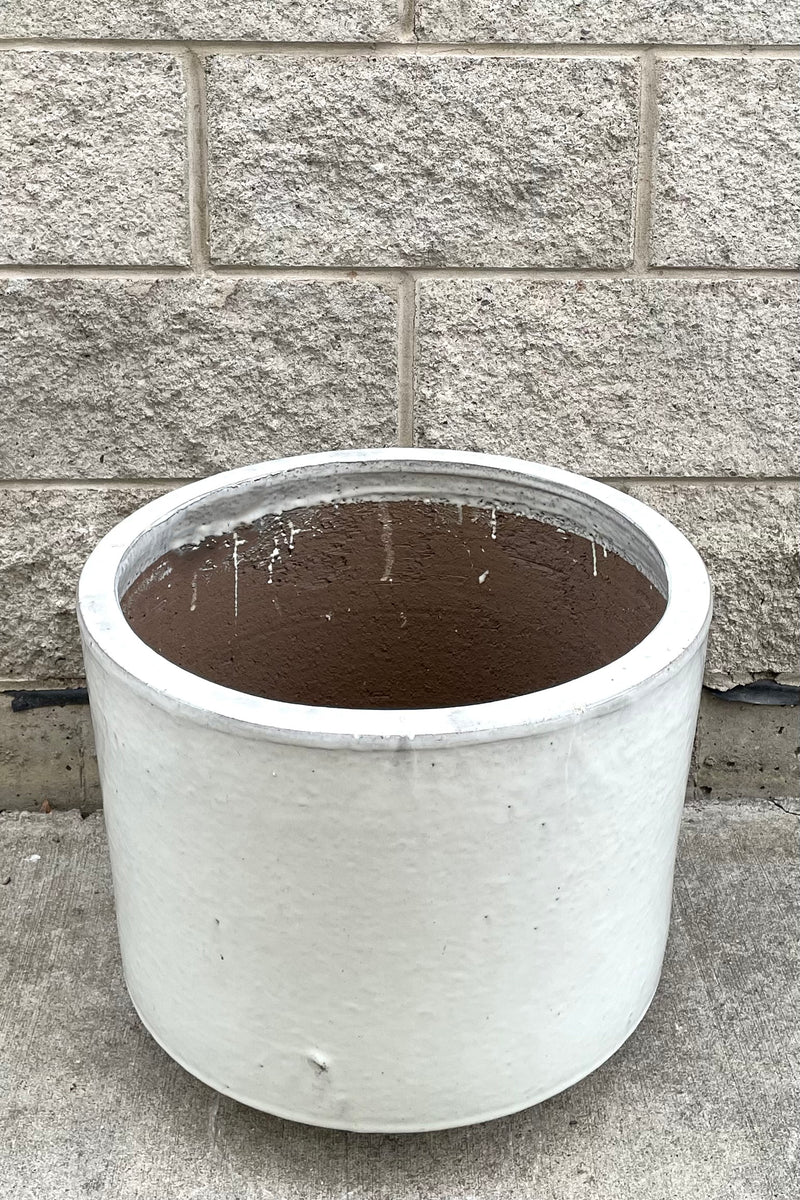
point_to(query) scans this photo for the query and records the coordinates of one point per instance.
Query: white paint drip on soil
(236, 540)
(386, 538)
(276, 553)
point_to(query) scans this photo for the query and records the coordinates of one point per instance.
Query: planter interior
(412, 602)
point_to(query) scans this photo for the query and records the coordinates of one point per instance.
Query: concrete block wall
(237, 229)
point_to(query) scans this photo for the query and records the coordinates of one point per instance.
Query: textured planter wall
(235, 230)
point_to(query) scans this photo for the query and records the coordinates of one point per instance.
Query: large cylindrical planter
(393, 748)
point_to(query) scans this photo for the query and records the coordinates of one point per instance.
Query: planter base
(395, 1127)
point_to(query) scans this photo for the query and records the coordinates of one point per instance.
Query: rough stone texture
(45, 537)
(43, 755)
(442, 161)
(726, 190)
(608, 21)
(92, 158)
(265, 20)
(184, 377)
(748, 750)
(747, 535)
(700, 1103)
(612, 377)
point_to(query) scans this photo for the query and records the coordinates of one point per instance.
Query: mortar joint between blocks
(698, 482)
(645, 163)
(406, 12)
(197, 161)
(393, 276)
(407, 44)
(406, 353)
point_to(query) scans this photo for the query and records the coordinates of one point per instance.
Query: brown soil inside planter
(402, 604)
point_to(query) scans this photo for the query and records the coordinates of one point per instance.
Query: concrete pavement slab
(701, 1103)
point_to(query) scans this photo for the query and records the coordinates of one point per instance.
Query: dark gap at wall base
(25, 699)
(760, 691)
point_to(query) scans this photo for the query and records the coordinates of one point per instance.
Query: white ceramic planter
(394, 920)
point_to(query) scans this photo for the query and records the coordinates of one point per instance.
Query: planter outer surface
(394, 920)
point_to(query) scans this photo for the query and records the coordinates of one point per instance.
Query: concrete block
(607, 21)
(48, 759)
(612, 377)
(458, 160)
(93, 158)
(45, 537)
(742, 751)
(187, 377)
(41, 759)
(47, 756)
(747, 750)
(257, 20)
(748, 536)
(725, 190)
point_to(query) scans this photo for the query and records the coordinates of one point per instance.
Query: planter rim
(662, 652)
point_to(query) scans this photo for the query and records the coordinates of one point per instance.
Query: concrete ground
(701, 1104)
